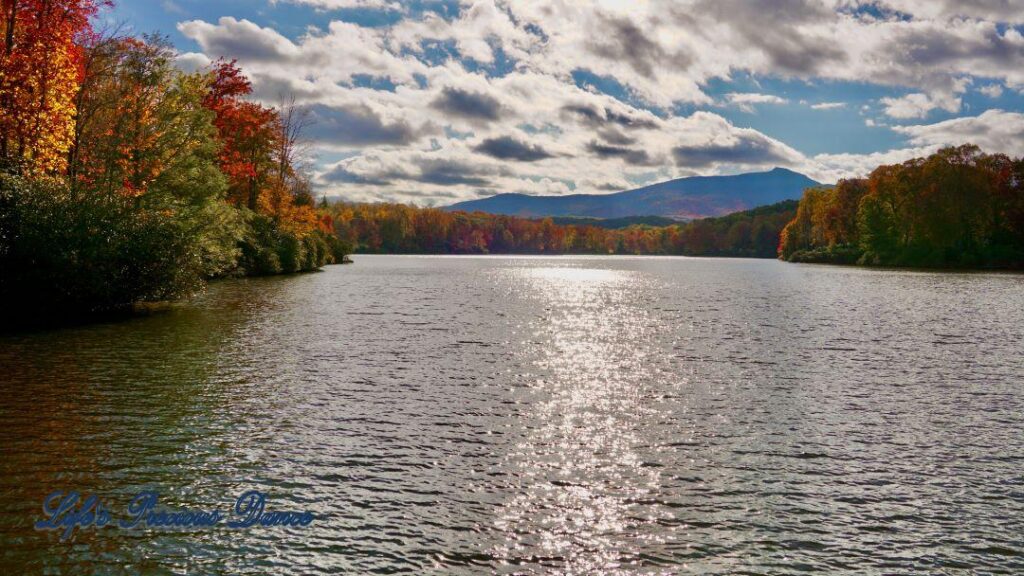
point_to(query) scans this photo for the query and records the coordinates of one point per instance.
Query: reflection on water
(532, 415)
(579, 472)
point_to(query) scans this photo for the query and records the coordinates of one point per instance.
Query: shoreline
(59, 318)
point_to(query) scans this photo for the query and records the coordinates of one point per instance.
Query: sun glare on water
(578, 465)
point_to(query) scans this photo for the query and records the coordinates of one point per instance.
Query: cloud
(744, 151)
(992, 90)
(192, 61)
(339, 174)
(483, 98)
(833, 167)
(713, 141)
(508, 148)
(240, 39)
(828, 105)
(595, 117)
(171, 7)
(789, 36)
(469, 105)
(1008, 11)
(389, 171)
(918, 105)
(448, 172)
(746, 101)
(622, 39)
(359, 125)
(612, 135)
(995, 131)
(347, 4)
(632, 156)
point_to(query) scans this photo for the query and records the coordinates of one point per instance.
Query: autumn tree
(40, 70)
(249, 132)
(100, 58)
(957, 207)
(143, 132)
(142, 118)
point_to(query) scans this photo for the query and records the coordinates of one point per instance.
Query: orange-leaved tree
(248, 133)
(40, 70)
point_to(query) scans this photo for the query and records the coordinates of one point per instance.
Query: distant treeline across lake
(402, 229)
(956, 208)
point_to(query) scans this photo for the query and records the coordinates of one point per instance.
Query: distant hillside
(751, 233)
(684, 198)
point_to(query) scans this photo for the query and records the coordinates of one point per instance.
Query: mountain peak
(683, 198)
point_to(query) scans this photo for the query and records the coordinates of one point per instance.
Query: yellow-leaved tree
(40, 62)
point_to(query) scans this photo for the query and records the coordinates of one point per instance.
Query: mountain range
(681, 199)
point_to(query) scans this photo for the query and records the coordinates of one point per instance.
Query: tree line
(397, 228)
(958, 207)
(125, 179)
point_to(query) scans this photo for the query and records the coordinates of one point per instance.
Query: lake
(530, 415)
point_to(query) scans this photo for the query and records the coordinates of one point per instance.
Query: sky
(432, 102)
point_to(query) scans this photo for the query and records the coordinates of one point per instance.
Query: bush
(65, 251)
(314, 250)
(838, 254)
(259, 247)
(289, 249)
(69, 252)
(337, 248)
(267, 249)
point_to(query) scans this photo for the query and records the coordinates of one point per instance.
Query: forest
(401, 229)
(958, 207)
(125, 179)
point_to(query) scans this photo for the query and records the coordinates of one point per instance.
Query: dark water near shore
(533, 415)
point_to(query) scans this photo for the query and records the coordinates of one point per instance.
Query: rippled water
(534, 415)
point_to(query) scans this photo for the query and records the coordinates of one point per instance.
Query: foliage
(270, 249)
(127, 179)
(64, 250)
(40, 63)
(957, 207)
(148, 136)
(751, 233)
(835, 254)
(147, 126)
(615, 223)
(397, 228)
(248, 131)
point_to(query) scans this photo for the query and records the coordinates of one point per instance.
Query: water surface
(533, 415)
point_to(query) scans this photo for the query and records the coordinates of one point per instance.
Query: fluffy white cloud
(993, 131)
(917, 105)
(746, 101)
(192, 62)
(992, 90)
(833, 167)
(240, 39)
